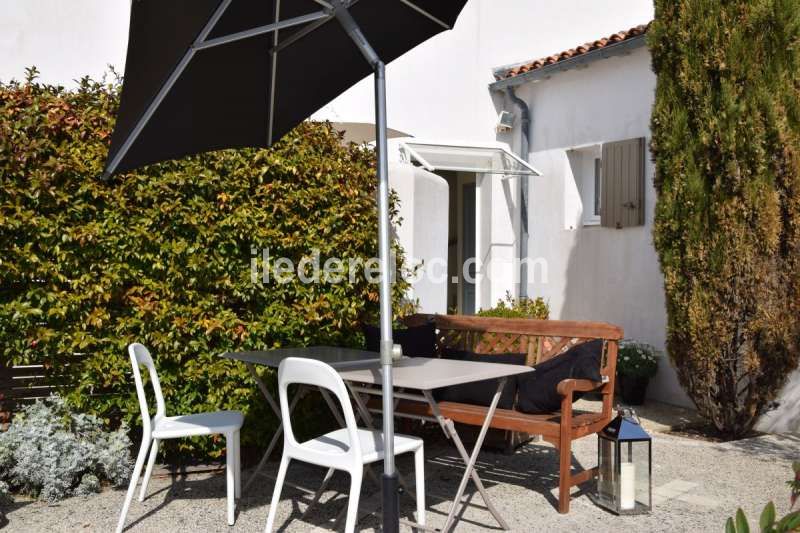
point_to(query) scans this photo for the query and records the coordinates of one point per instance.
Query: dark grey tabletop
(334, 356)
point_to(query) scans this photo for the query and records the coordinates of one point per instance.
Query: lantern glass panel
(607, 472)
(633, 473)
(639, 456)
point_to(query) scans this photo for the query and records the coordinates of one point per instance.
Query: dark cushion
(536, 391)
(481, 392)
(417, 341)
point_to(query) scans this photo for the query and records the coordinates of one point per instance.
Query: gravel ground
(697, 485)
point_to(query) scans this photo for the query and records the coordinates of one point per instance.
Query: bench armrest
(568, 386)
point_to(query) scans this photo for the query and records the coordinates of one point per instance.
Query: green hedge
(509, 307)
(726, 140)
(162, 256)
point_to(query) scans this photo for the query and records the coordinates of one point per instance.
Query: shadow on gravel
(9, 508)
(783, 446)
(532, 467)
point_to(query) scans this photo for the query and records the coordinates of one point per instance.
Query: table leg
(264, 458)
(469, 460)
(275, 409)
(264, 390)
(318, 493)
(366, 416)
(333, 407)
(279, 431)
(361, 407)
(274, 441)
(329, 474)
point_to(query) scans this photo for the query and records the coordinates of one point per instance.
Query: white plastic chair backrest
(141, 356)
(318, 374)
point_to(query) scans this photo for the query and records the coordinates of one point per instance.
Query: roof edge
(615, 49)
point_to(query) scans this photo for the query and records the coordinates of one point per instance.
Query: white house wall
(498, 217)
(66, 40)
(595, 273)
(438, 90)
(423, 231)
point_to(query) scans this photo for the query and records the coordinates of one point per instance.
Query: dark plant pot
(633, 389)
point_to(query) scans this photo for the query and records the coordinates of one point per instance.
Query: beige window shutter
(622, 201)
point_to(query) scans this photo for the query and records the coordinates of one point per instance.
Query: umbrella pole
(391, 502)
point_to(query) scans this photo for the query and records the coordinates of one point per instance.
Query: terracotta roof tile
(568, 54)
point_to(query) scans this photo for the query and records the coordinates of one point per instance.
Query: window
(586, 167)
(608, 188)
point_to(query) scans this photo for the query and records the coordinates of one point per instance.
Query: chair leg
(137, 471)
(230, 476)
(352, 503)
(149, 470)
(564, 477)
(238, 467)
(276, 493)
(419, 476)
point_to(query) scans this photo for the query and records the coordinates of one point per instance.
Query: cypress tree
(726, 142)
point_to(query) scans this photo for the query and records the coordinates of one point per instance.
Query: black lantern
(624, 466)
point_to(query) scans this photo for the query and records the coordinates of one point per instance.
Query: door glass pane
(468, 249)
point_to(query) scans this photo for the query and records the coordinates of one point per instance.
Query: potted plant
(636, 364)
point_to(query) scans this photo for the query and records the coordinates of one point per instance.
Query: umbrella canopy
(219, 78)
(204, 75)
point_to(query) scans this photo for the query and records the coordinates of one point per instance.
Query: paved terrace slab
(697, 484)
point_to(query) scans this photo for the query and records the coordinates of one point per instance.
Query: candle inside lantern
(627, 498)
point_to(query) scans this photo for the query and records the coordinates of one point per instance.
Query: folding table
(424, 375)
(339, 358)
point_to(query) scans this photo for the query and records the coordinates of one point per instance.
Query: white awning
(468, 158)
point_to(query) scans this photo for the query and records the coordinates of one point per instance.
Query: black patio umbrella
(204, 75)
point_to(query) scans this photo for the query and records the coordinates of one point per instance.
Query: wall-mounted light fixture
(505, 121)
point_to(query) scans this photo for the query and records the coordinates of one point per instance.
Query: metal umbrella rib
(201, 44)
(269, 28)
(273, 55)
(424, 13)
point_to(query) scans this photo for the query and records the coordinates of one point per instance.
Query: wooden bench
(539, 340)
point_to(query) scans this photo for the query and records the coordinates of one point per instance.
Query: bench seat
(545, 424)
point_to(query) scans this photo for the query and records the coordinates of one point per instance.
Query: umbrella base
(391, 503)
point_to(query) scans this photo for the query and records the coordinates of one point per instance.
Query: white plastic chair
(162, 427)
(347, 449)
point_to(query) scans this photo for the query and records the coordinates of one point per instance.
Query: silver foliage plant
(5, 495)
(51, 452)
(5, 499)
